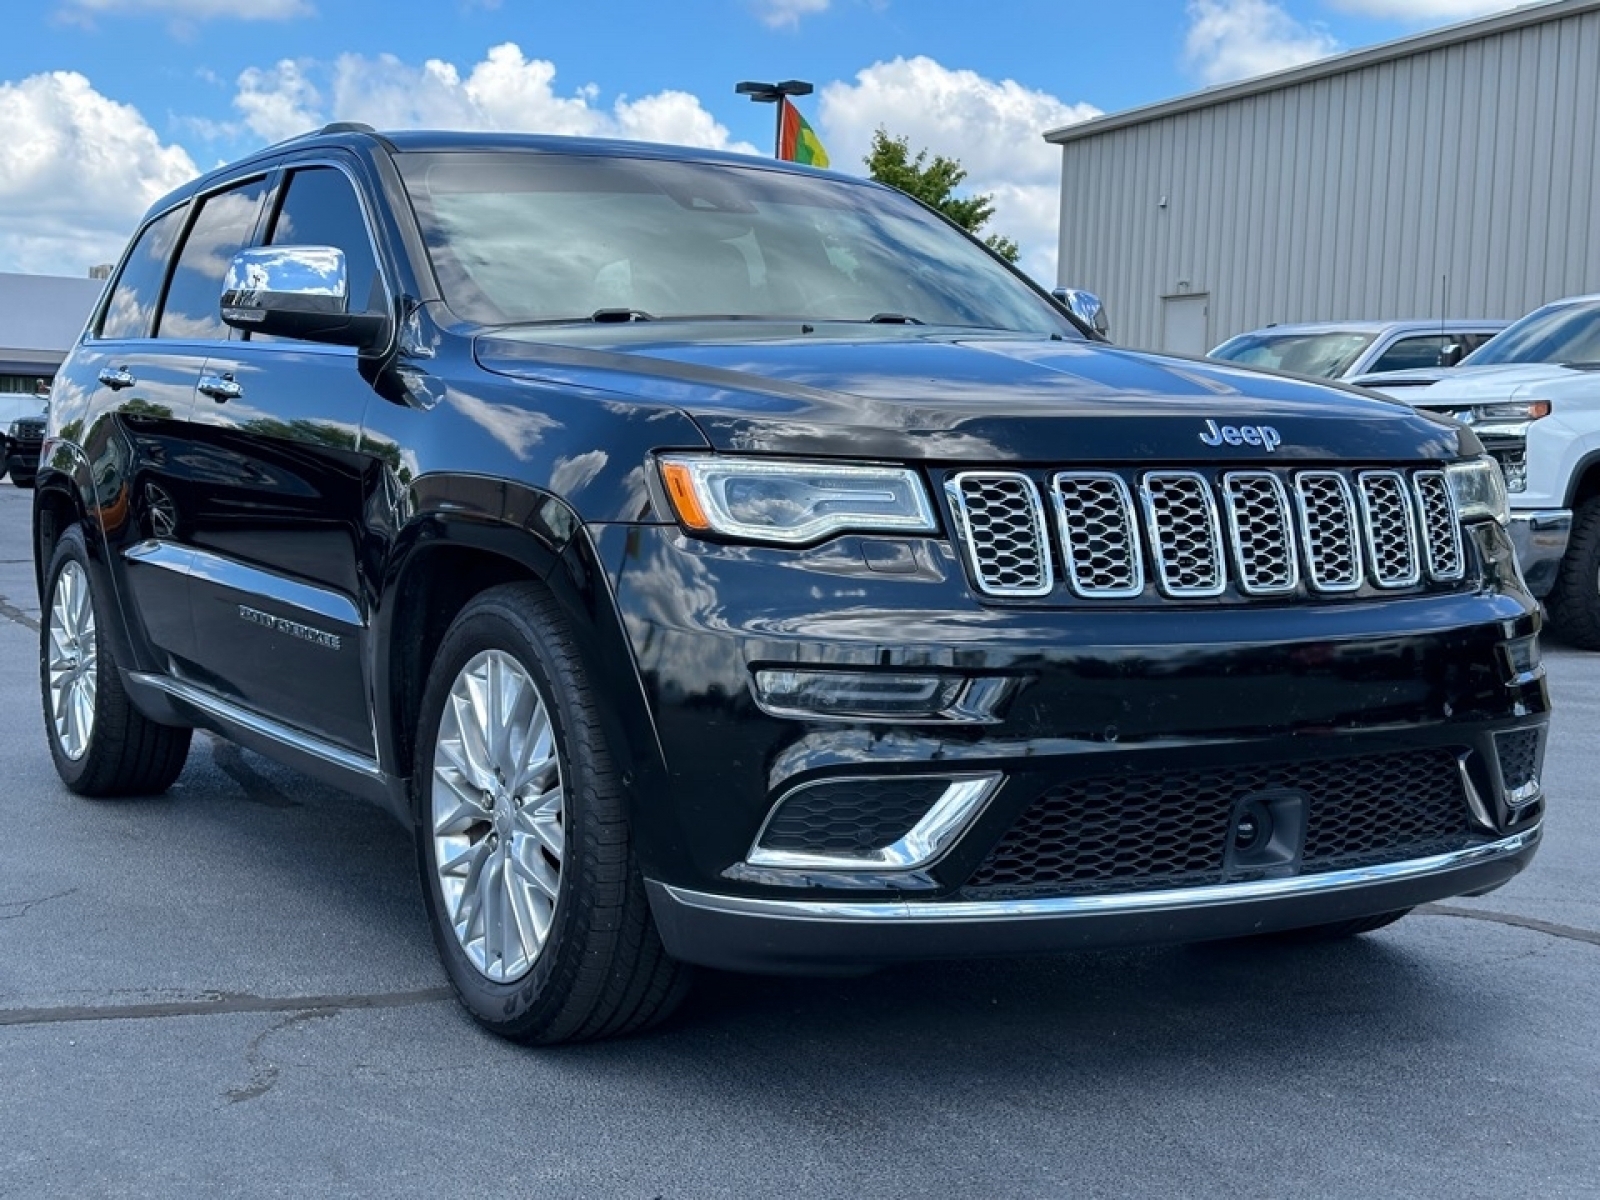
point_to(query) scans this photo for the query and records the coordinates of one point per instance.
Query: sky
(106, 105)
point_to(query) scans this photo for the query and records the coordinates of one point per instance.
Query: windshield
(1326, 355)
(520, 237)
(1556, 333)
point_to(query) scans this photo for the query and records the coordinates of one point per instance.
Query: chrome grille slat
(1185, 533)
(1391, 529)
(1262, 534)
(1440, 527)
(1099, 534)
(1003, 531)
(1326, 511)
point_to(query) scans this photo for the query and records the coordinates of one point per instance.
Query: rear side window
(225, 224)
(1410, 353)
(321, 209)
(132, 307)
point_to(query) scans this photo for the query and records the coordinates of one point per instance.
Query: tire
(101, 744)
(21, 481)
(1336, 930)
(1574, 602)
(598, 969)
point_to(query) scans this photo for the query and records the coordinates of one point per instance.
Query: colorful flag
(797, 141)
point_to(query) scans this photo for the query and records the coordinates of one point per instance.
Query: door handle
(116, 377)
(220, 388)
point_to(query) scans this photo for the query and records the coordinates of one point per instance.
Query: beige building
(1451, 174)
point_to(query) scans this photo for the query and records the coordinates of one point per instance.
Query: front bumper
(1540, 537)
(1291, 709)
(741, 933)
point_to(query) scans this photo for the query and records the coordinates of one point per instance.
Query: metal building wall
(1458, 181)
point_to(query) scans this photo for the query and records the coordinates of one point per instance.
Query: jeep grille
(1189, 534)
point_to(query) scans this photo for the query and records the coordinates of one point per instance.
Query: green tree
(934, 182)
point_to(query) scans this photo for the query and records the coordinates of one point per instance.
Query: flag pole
(775, 94)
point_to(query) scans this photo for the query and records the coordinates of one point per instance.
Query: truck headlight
(792, 503)
(1478, 489)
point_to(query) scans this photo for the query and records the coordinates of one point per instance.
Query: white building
(1451, 174)
(41, 317)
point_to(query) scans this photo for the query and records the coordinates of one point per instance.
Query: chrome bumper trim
(965, 911)
(945, 821)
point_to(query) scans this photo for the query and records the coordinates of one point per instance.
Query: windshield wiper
(892, 318)
(619, 316)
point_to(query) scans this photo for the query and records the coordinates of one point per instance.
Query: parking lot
(231, 990)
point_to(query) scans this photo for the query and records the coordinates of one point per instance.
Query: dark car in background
(23, 439)
(715, 561)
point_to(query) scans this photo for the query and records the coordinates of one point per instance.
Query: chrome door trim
(263, 585)
(266, 727)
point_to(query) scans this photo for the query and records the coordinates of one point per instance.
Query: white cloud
(505, 91)
(77, 170)
(192, 10)
(781, 13)
(995, 129)
(1236, 39)
(1424, 10)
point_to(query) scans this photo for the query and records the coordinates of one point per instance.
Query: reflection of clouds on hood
(517, 429)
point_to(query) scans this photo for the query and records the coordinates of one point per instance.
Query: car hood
(963, 398)
(1475, 385)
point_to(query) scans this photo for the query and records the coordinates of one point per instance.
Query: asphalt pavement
(231, 990)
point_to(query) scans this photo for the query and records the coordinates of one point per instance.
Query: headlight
(792, 503)
(1524, 410)
(1478, 489)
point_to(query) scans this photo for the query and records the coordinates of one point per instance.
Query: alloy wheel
(72, 663)
(498, 818)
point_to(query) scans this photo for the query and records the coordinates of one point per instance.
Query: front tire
(526, 856)
(1574, 602)
(101, 744)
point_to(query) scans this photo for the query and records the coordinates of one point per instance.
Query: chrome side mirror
(298, 292)
(1086, 307)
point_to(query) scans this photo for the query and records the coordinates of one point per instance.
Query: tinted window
(133, 300)
(225, 224)
(1409, 353)
(321, 209)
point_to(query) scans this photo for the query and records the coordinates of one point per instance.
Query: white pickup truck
(1532, 394)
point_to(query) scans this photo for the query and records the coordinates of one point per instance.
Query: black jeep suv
(715, 561)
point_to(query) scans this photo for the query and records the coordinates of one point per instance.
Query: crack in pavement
(11, 910)
(226, 1003)
(1569, 932)
(11, 612)
(263, 1072)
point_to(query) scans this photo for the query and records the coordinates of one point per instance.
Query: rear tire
(538, 909)
(101, 744)
(1574, 602)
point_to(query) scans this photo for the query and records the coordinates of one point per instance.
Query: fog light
(1521, 756)
(877, 695)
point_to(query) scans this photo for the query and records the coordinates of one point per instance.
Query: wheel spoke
(538, 875)
(542, 821)
(469, 809)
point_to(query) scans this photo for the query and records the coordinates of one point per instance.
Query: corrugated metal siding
(1459, 182)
